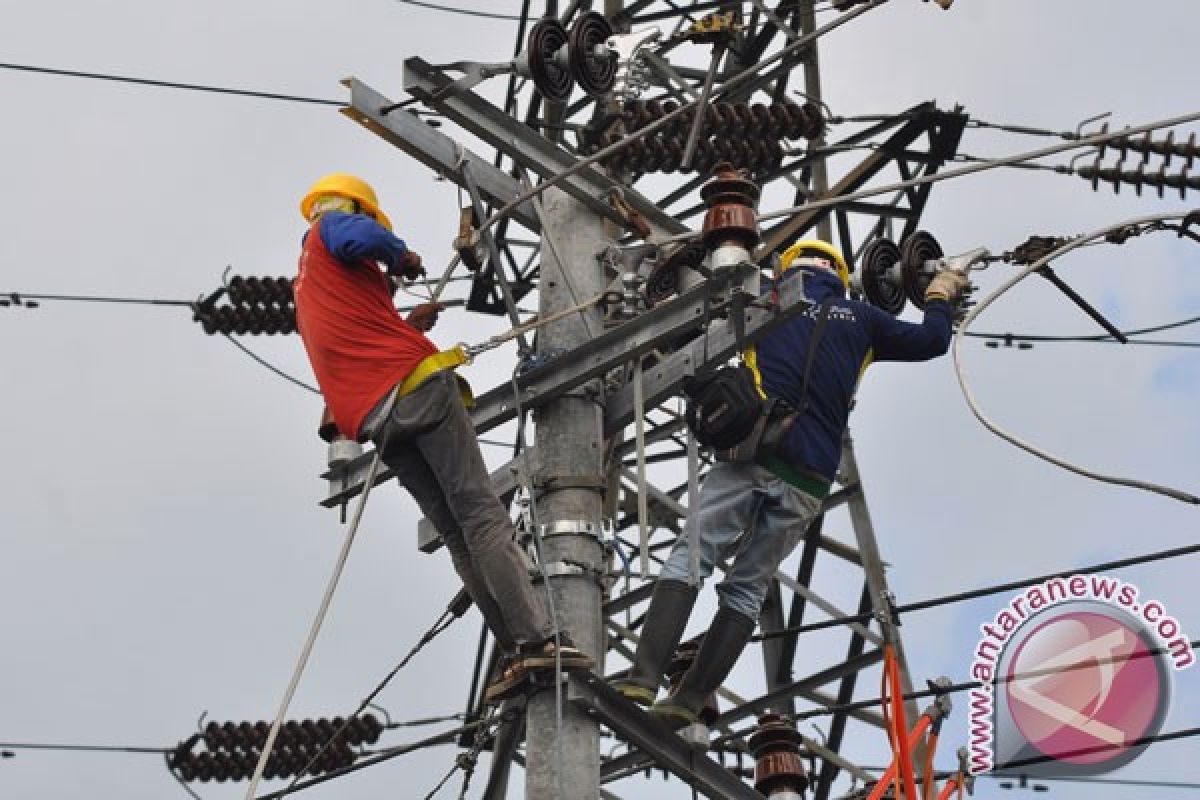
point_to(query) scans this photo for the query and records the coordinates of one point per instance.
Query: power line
(96, 748)
(193, 87)
(466, 12)
(260, 360)
(18, 298)
(984, 592)
(1099, 337)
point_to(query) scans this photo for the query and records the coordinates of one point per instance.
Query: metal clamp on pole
(888, 616)
(571, 527)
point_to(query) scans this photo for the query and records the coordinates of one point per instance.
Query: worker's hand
(409, 267)
(948, 285)
(424, 316)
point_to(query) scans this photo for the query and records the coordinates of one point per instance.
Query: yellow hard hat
(343, 185)
(815, 248)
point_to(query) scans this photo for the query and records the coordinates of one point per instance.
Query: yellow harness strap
(446, 359)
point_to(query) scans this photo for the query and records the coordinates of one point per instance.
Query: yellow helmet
(348, 186)
(816, 249)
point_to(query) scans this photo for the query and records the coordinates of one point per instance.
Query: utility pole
(563, 753)
(660, 295)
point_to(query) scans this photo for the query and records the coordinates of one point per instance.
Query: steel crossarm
(441, 153)
(526, 146)
(651, 737)
(717, 345)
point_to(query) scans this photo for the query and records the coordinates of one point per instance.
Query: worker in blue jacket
(757, 512)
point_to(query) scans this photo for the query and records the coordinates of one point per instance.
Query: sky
(163, 550)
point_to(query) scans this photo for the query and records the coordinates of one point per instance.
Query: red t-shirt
(357, 342)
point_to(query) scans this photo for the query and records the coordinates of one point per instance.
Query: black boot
(670, 608)
(722, 645)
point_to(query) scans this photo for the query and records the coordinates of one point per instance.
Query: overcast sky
(162, 547)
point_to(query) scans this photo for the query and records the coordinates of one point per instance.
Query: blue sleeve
(895, 340)
(352, 238)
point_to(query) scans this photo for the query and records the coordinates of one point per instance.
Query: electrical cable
(439, 626)
(1031, 155)
(466, 12)
(1099, 337)
(975, 594)
(954, 688)
(960, 371)
(442, 738)
(193, 87)
(17, 298)
(260, 360)
(86, 748)
(550, 604)
(320, 617)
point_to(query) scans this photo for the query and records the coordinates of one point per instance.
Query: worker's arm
(895, 340)
(354, 238)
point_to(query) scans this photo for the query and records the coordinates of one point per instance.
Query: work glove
(409, 267)
(949, 285)
(424, 316)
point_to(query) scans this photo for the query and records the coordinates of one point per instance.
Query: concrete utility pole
(563, 759)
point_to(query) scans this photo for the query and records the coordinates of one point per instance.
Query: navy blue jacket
(855, 335)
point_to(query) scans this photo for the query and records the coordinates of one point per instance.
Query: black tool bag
(724, 407)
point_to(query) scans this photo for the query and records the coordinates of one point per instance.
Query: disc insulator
(550, 75)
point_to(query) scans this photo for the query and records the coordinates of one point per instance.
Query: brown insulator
(778, 764)
(761, 115)
(731, 198)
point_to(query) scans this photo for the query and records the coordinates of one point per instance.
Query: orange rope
(928, 783)
(889, 775)
(907, 782)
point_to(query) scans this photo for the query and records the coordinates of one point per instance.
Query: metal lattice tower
(590, 379)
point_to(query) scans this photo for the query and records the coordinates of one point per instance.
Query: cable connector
(941, 706)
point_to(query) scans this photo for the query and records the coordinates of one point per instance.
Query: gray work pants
(431, 446)
(747, 513)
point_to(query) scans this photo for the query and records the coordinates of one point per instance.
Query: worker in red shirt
(383, 380)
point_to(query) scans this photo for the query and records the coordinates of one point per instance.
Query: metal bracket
(571, 527)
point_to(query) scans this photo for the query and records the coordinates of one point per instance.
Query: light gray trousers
(747, 513)
(432, 448)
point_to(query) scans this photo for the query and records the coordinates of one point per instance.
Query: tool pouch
(724, 408)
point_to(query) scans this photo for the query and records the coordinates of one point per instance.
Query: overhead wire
(1031, 155)
(965, 686)
(960, 369)
(193, 87)
(442, 623)
(262, 361)
(974, 594)
(466, 12)
(319, 618)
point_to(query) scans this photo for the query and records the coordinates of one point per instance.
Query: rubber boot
(670, 607)
(722, 645)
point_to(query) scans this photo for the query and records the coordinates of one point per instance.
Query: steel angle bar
(712, 348)
(944, 130)
(829, 608)
(524, 145)
(814, 681)
(663, 323)
(653, 738)
(435, 149)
